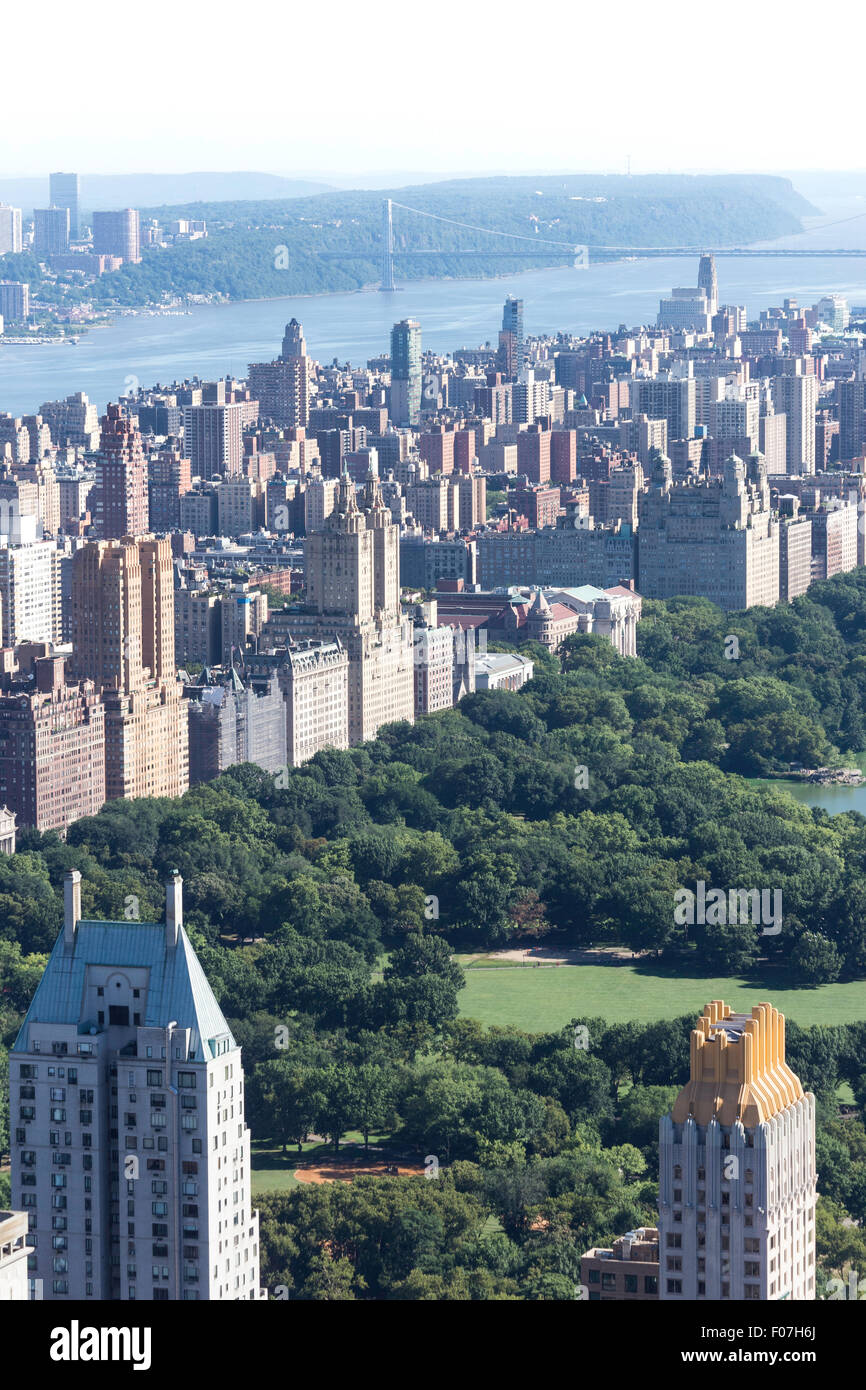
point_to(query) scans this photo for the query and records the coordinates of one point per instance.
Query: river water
(832, 799)
(215, 339)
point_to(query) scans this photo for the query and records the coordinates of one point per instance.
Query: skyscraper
(708, 281)
(353, 593)
(119, 501)
(282, 388)
(796, 397)
(130, 1082)
(51, 231)
(63, 192)
(117, 233)
(737, 1178)
(512, 351)
(406, 372)
(122, 629)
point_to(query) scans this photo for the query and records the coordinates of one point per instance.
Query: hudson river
(221, 338)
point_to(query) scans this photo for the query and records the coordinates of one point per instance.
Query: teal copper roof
(177, 990)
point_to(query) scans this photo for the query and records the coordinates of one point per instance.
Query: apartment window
(186, 1080)
(631, 1283)
(675, 1286)
(154, 1078)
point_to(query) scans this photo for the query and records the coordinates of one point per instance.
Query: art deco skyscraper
(353, 592)
(122, 628)
(708, 281)
(120, 499)
(131, 1151)
(737, 1167)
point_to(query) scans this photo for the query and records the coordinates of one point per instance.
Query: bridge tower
(387, 248)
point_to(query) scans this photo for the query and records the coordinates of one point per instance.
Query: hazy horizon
(265, 89)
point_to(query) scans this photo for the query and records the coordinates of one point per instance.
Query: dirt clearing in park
(340, 1172)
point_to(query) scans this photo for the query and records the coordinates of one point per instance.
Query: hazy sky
(353, 87)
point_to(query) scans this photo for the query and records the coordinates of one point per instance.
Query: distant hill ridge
(330, 241)
(101, 191)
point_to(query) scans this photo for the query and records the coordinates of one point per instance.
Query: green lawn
(271, 1170)
(541, 1000)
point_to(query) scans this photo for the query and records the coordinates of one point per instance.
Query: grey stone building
(130, 1152)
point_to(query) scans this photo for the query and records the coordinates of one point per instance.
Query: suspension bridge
(546, 248)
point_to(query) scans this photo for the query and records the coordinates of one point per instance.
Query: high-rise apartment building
(52, 748)
(119, 501)
(282, 388)
(406, 372)
(213, 439)
(314, 679)
(737, 1177)
(796, 397)
(74, 422)
(29, 588)
(132, 1153)
(235, 719)
(63, 192)
(852, 417)
(10, 230)
(718, 539)
(122, 628)
(353, 592)
(14, 298)
(117, 233)
(51, 231)
(667, 398)
(169, 479)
